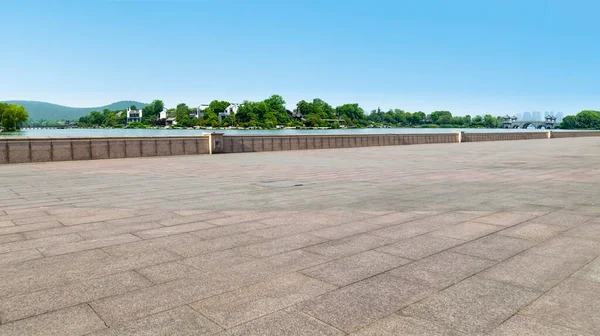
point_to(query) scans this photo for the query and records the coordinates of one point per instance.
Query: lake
(151, 132)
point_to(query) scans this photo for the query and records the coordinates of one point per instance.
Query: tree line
(587, 119)
(118, 118)
(435, 119)
(272, 112)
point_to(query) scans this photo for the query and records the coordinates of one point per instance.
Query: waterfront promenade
(482, 238)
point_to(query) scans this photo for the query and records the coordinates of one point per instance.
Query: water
(119, 132)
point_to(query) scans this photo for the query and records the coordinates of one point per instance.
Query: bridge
(513, 122)
(48, 127)
(67, 124)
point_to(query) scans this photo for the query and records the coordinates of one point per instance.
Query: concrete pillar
(215, 141)
(458, 136)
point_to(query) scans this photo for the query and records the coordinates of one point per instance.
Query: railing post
(210, 146)
(458, 136)
(215, 142)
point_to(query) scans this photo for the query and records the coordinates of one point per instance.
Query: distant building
(170, 122)
(161, 118)
(559, 116)
(134, 115)
(507, 121)
(199, 111)
(231, 109)
(295, 114)
(526, 115)
(162, 114)
(536, 115)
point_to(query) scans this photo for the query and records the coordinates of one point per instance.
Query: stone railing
(46, 149)
(575, 134)
(502, 136)
(242, 144)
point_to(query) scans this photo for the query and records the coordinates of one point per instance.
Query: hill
(41, 110)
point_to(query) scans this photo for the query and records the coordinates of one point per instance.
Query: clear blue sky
(464, 56)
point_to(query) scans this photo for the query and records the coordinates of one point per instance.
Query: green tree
(477, 121)
(111, 120)
(400, 117)
(219, 106)
(457, 121)
(182, 113)
(150, 113)
(588, 119)
(121, 117)
(313, 120)
(136, 124)
(230, 120)
(276, 105)
(210, 116)
(417, 118)
(569, 122)
(246, 113)
(96, 118)
(375, 116)
(305, 108)
(158, 106)
(467, 120)
(269, 119)
(317, 107)
(441, 117)
(269, 113)
(389, 117)
(354, 113)
(12, 116)
(314, 112)
(490, 122)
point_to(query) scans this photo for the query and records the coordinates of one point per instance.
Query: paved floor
(496, 238)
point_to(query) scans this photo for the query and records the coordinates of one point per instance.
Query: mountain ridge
(43, 110)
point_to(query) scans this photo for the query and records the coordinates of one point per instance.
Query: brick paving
(491, 238)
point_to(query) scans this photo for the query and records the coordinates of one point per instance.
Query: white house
(134, 115)
(171, 122)
(199, 111)
(232, 108)
(162, 114)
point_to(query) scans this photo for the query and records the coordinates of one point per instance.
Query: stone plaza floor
(489, 238)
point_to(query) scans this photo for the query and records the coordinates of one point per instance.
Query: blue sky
(472, 57)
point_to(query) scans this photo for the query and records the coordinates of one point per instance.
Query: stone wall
(574, 134)
(242, 144)
(475, 137)
(47, 149)
(29, 149)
